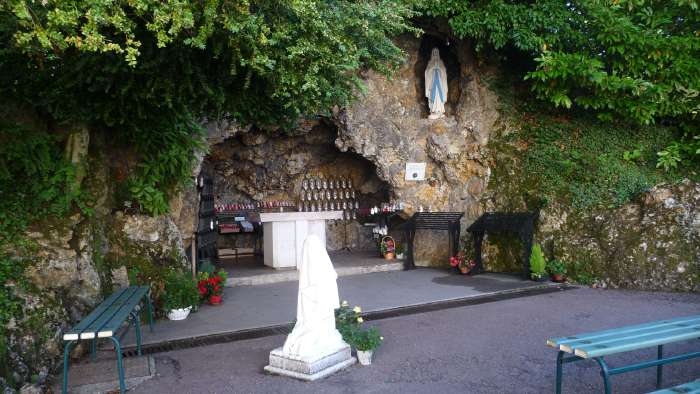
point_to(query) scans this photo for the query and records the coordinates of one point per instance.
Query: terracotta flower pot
(215, 300)
(464, 270)
(557, 278)
(389, 255)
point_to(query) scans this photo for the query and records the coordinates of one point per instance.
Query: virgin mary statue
(314, 332)
(436, 85)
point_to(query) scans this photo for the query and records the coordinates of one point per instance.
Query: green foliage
(347, 320)
(365, 340)
(35, 179)
(625, 59)
(635, 58)
(180, 291)
(151, 71)
(556, 267)
(577, 160)
(537, 262)
(580, 272)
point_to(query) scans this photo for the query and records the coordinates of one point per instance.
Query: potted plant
(211, 286)
(461, 263)
(557, 270)
(399, 252)
(388, 247)
(365, 342)
(180, 295)
(537, 264)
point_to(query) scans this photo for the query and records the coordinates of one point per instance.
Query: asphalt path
(496, 347)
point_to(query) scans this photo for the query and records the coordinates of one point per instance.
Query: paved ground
(249, 307)
(497, 347)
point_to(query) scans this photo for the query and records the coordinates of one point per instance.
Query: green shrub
(537, 262)
(180, 291)
(365, 340)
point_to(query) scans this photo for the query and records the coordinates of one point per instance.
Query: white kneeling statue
(315, 332)
(314, 349)
(436, 85)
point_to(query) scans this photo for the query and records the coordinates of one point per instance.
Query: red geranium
(211, 285)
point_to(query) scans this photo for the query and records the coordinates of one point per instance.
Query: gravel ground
(496, 347)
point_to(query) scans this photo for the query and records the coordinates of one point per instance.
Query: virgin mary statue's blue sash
(436, 88)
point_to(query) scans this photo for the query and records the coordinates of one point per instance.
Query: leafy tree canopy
(636, 59)
(151, 70)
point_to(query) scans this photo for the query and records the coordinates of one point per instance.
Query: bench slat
(127, 300)
(688, 388)
(557, 342)
(74, 333)
(627, 334)
(109, 328)
(598, 350)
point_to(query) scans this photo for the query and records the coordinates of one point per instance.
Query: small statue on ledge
(436, 85)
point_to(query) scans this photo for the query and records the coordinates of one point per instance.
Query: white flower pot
(400, 256)
(365, 357)
(179, 314)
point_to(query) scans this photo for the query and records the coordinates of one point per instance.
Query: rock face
(389, 126)
(259, 166)
(650, 244)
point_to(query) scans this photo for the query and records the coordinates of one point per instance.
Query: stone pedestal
(285, 232)
(311, 368)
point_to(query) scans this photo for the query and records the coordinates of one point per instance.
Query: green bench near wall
(104, 322)
(597, 345)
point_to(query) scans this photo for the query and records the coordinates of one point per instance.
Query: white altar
(285, 232)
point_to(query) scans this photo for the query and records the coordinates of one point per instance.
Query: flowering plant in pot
(211, 286)
(557, 270)
(461, 263)
(180, 295)
(388, 247)
(366, 342)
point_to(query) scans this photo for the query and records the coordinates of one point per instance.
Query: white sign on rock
(314, 349)
(415, 171)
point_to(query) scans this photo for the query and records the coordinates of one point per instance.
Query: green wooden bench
(597, 345)
(104, 322)
(688, 388)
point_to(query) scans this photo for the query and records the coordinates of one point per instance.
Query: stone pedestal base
(310, 369)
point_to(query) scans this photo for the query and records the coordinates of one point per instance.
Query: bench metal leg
(66, 356)
(659, 368)
(149, 306)
(137, 322)
(93, 349)
(120, 364)
(560, 366)
(605, 373)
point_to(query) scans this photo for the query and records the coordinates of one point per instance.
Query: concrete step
(290, 275)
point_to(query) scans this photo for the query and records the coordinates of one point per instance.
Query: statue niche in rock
(436, 85)
(314, 349)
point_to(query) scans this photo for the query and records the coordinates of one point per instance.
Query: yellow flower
(357, 309)
(345, 303)
(360, 320)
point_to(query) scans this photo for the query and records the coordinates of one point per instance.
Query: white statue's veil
(314, 331)
(436, 83)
